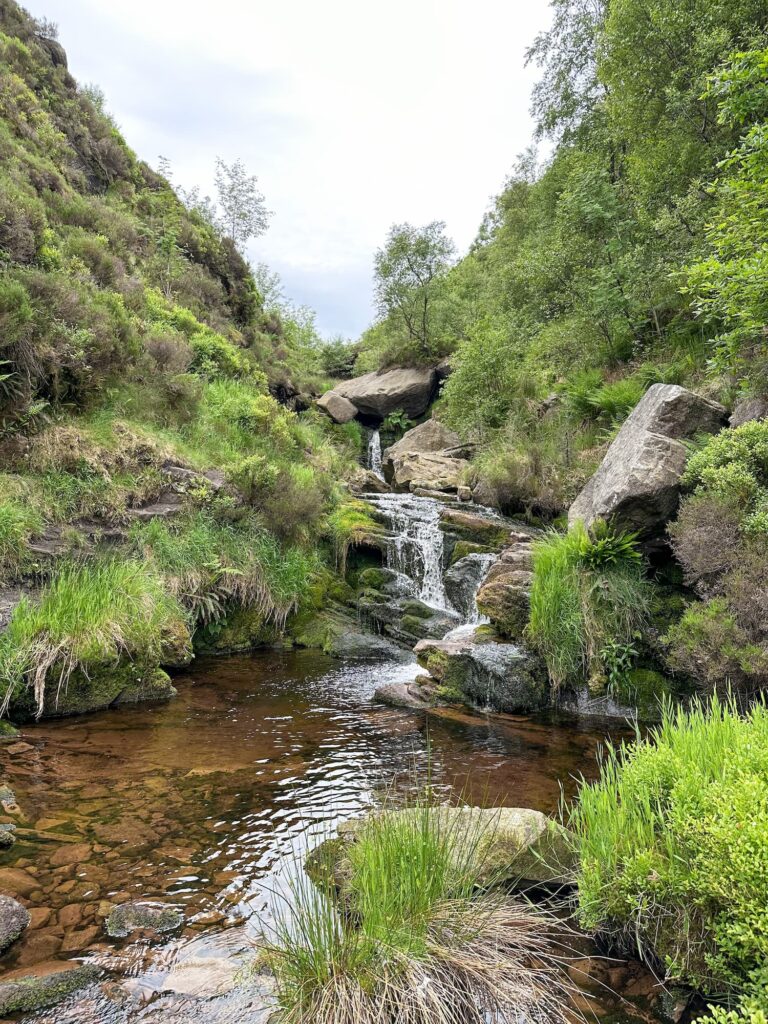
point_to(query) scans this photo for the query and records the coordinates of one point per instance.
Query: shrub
(90, 615)
(672, 843)
(589, 600)
(418, 941)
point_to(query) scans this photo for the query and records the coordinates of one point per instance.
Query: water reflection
(209, 802)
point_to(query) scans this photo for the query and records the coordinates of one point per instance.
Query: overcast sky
(353, 113)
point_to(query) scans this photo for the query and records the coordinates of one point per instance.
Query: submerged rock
(14, 919)
(140, 916)
(512, 845)
(49, 985)
(637, 486)
(7, 837)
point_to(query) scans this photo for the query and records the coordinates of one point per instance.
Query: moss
(462, 548)
(243, 629)
(417, 610)
(7, 731)
(373, 578)
(26, 995)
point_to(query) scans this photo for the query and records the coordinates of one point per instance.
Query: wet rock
(356, 644)
(14, 918)
(406, 619)
(7, 837)
(504, 596)
(49, 985)
(512, 845)
(7, 731)
(417, 695)
(426, 471)
(637, 486)
(430, 436)
(8, 800)
(382, 392)
(76, 853)
(462, 581)
(140, 916)
(475, 528)
(17, 882)
(339, 408)
(486, 674)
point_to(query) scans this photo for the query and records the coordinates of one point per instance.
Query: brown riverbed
(207, 802)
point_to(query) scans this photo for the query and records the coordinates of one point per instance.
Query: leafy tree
(244, 215)
(409, 273)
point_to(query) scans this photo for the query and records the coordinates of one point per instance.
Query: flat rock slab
(14, 919)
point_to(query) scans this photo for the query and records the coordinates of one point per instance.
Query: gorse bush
(589, 600)
(418, 938)
(672, 843)
(87, 618)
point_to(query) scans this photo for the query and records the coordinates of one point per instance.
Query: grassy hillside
(136, 358)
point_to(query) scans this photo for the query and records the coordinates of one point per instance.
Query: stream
(209, 802)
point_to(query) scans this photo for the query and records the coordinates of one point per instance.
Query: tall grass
(19, 521)
(672, 843)
(588, 594)
(90, 615)
(413, 938)
(208, 564)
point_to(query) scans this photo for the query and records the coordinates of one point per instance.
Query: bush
(90, 615)
(589, 602)
(672, 844)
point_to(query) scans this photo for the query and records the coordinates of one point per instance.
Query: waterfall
(416, 545)
(374, 454)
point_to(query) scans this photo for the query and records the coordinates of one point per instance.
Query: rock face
(637, 487)
(339, 408)
(512, 845)
(504, 596)
(430, 471)
(365, 481)
(429, 436)
(13, 920)
(487, 674)
(378, 394)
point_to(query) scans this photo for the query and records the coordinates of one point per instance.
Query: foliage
(418, 941)
(349, 524)
(89, 616)
(672, 843)
(244, 215)
(589, 602)
(409, 271)
(19, 521)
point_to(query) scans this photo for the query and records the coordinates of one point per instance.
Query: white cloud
(354, 114)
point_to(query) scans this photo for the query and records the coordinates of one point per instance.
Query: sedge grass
(91, 614)
(417, 935)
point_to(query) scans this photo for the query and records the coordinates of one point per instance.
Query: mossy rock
(417, 609)
(7, 731)
(101, 686)
(127, 918)
(38, 992)
(374, 578)
(462, 548)
(243, 629)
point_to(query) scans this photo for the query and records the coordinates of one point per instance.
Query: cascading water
(374, 454)
(415, 548)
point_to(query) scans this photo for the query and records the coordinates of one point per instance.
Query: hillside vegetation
(138, 369)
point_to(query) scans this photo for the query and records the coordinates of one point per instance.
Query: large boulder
(339, 408)
(426, 471)
(637, 486)
(748, 409)
(429, 436)
(378, 394)
(487, 674)
(511, 845)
